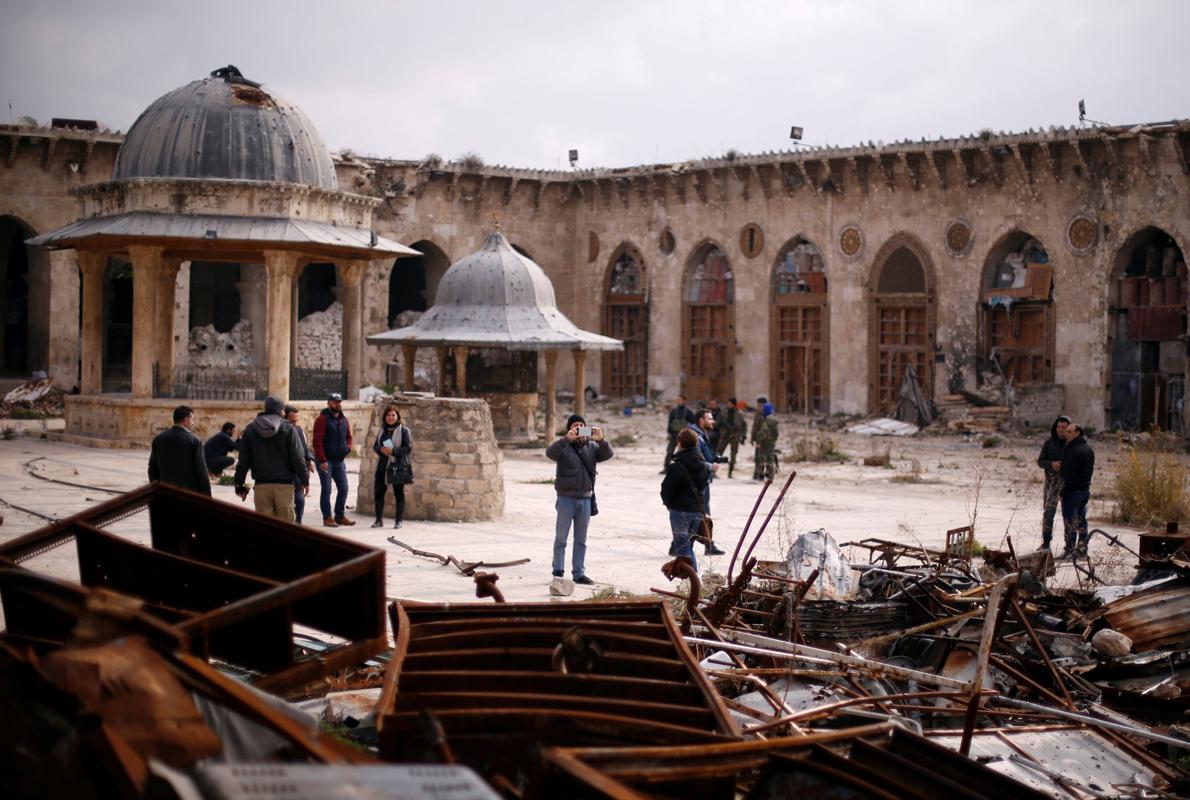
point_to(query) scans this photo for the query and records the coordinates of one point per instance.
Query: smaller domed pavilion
(219, 170)
(497, 299)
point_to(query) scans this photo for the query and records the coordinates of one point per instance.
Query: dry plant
(914, 475)
(1151, 488)
(972, 500)
(816, 448)
(879, 458)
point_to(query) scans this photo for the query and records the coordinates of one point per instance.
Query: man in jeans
(574, 481)
(299, 491)
(270, 449)
(1078, 465)
(332, 443)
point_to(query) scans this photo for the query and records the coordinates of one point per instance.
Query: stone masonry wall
(458, 473)
(320, 339)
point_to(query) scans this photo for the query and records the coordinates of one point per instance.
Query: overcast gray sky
(624, 82)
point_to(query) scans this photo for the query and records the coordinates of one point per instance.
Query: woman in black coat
(393, 438)
(682, 491)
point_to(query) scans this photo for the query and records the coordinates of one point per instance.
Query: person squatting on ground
(300, 491)
(574, 482)
(1078, 466)
(1050, 461)
(703, 425)
(764, 435)
(393, 437)
(218, 449)
(679, 418)
(271, 451)
(681, 492)
(176, 456)
(733, 431)
(332, 443)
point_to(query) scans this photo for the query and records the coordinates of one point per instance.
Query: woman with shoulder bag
(681, 492)
(393, 444)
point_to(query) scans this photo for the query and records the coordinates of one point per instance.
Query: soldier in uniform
(757, 421)
(766, 444)
(733, 430)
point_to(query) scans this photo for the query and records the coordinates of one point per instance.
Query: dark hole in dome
(249, 94)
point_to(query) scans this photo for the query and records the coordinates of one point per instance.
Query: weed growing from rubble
(227, 480)
(611, 593)
(1151, 489)
(879, 458)
(912, 476)
(818, 449)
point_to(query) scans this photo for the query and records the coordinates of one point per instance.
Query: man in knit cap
(271, 450)
(576, 455)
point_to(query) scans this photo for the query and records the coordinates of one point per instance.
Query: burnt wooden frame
(779, 301)
(232, 582)
(877, 300)
(729, 345)
(639, 301)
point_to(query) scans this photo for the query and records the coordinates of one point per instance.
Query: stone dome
(225, 127)
(495, 275)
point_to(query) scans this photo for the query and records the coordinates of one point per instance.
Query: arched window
(709, 325)
(1016, 331)
(1146, 333)
(901, 335)
(413, 281)
(800, 329)
(626, 317)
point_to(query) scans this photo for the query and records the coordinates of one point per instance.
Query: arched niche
(413, 281)
(1016, 312)
(708, 325)
(317, 288)
(215, 295)
(800, 333)
(117, 326)
(902, 320)
(16, 289)
(1146, 333)
(626, 317)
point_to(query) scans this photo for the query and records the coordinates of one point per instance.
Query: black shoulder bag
(400, 466)
(591, 472)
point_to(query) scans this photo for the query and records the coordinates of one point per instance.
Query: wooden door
(1018, 339)
(626, 372)
(800, 379)
(710, 368)
(903, 339)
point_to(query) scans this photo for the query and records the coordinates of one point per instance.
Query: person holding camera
(270, 449)
(681, 492)
(703, 425)
(576, 455)
(393, 444)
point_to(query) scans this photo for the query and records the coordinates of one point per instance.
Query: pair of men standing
(1069, 464)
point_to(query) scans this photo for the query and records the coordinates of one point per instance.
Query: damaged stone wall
(320, 339)
(211, 348)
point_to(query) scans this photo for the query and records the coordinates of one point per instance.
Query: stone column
(551, 392)
(294, 317)
(281, 266)
(351, 276)
(146, 278)
(182, 316)
(253, 307)
(92, 266)
(580, 380)
(409, 354)
(167, 284)
(441, 371)
(461, 371)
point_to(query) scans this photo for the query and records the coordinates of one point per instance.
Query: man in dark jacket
(176, 456)
(1050, 461)
(332, 443)
(299, 491)
(1078, 466)
(703, 426)
(270, 449)
(216, 450)
(574, 482)
(681, 492)
(679, 417)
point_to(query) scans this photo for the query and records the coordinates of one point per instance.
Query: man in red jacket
(332, 443)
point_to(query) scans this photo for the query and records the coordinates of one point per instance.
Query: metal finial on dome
(496, 219)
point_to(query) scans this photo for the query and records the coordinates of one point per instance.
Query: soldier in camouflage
(765, 437)
(733, 431)
(757, 421)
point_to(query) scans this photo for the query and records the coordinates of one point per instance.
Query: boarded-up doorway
(708, 326)
(1146, 334)
(800, 330)
(901, 328)
(1016, 332)
(626, 317)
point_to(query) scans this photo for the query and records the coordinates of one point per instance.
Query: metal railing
(315, 384)
(213, 383)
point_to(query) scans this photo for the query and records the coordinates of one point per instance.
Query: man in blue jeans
(574, 481)
(332, 443)
(1078, 465)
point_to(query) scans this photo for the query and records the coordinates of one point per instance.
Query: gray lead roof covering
(496, 297)
(222, 128)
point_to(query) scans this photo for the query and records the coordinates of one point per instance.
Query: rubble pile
(37, 398)
(868, 669)
(320, 339)
(211, 348)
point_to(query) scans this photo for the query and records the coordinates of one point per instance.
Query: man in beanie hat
(574, 482)
(270, 449)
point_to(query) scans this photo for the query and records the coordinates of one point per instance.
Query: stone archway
(1146, 332)
(902, 320)
(626, 317)
(1016, 312)
(413, 281)
(15, 290)
(800, 329)
(708, 325)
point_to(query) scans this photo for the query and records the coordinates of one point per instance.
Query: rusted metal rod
(773, 510)
(990, 621)
(747, 526)
(925, 626)
(1045, 656)
(810, 714)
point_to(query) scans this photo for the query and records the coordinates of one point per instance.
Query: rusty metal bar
(990, 620)
(747, 527)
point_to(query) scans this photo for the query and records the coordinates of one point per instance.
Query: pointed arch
(413, 281)
(708, 324)
(1016, 312)
(800, 329)
(626, 317)
(902, 320)
(1147, 296)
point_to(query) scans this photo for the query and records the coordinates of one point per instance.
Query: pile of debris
(37, 399)
(915, 674)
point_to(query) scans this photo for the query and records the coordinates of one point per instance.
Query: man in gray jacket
(574, 482)
(271, 450)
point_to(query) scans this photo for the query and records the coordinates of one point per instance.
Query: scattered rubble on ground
(34, 399)
(867, 669)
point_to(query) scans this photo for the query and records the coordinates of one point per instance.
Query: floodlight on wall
(573, 157)
(795, 133)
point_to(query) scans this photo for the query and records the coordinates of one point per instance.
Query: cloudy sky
(520, 83)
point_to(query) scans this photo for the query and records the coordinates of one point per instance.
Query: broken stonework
(320, 339)
(211, 348)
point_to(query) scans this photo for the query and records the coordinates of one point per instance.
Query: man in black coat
(271, 451)
(1050, 461)
(1078, 466)
(176, 455)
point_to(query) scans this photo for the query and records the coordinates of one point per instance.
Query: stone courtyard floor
(934, 483)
